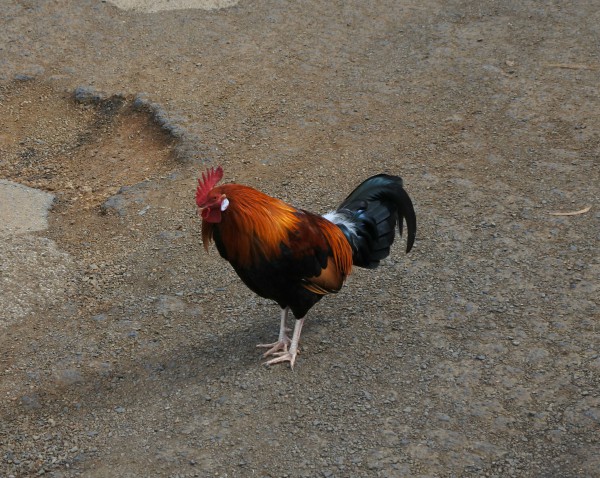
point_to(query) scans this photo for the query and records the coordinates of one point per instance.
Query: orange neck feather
(251, 215)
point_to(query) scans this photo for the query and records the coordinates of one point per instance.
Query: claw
(287, 356)
(275, 347)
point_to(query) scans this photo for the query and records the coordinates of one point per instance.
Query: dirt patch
(80, 144)
(91, 151)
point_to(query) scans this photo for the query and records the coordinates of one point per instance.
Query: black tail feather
(368, 218)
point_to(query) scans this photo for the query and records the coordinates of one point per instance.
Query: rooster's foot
(282, 344)
(289, 355)
(286, 356)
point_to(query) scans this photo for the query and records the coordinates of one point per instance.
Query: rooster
(293, 256)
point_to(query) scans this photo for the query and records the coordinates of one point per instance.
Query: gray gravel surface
(130, 352)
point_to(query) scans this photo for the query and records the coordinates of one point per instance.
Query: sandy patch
(23, 209)
(34, 273)
(152, 6)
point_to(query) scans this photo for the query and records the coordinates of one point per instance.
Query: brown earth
(474, 355)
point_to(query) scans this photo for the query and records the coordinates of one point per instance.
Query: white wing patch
(340, 219)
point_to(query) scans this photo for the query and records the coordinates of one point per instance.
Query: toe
(283, 357)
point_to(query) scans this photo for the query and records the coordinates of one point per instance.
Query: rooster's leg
(289, 355)
(284, 340)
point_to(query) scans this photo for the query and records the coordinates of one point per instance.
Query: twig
(572, 66)
(573, 213)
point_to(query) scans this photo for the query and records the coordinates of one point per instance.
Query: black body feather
(282, 279)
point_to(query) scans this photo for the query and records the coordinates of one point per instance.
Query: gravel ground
(125, 350)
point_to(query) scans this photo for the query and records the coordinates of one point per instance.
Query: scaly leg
(284, 340)
(289, 356)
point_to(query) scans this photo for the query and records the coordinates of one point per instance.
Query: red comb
(209, 179)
